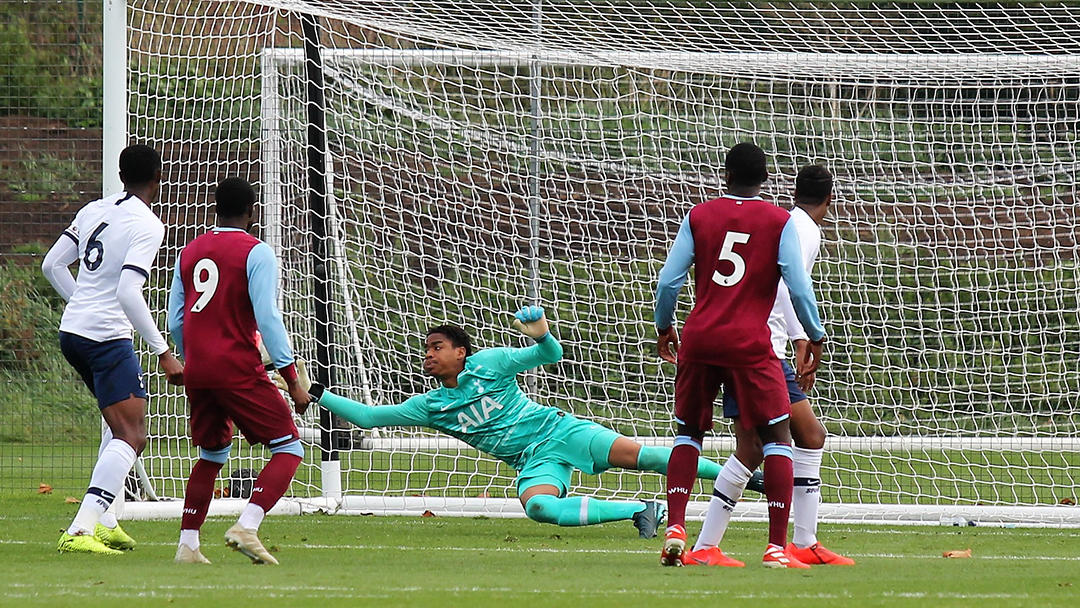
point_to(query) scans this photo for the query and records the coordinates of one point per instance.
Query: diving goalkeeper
(479, 402)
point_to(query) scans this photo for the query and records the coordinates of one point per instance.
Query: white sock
(190, 538)
(807, 495)
(252, 517)
(106, 482)
(108, 518)
(727, 491)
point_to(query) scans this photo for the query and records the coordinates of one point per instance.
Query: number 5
(205, 287)
(727, 254)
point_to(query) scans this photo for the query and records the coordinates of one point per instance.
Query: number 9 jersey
(224, 289)
(113, 234)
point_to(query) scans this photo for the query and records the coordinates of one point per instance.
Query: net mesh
(484, 155)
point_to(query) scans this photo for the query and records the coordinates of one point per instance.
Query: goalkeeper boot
(710, 556)
(757, 482)
(247, 542)
(815, 555)
(648, 520)
(83, 543)
(777, 557)
(114, 538)
(674, 545)
(187, 555)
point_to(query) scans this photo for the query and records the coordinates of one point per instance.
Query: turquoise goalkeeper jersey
(487, 410)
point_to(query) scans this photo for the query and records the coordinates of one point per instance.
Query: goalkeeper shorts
(574, 444)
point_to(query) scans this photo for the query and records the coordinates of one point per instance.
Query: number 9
(205, 287)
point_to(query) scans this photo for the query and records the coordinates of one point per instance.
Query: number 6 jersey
(113, 234)
(224, 288)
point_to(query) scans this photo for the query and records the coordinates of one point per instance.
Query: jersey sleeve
(262, 275)
(55, 265)
(175, 316)
(143, 247)
(513, 361)
(673, 275)
(793, 271)
(412, 412)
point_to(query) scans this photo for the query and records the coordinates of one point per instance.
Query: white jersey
(783, 323)
(115, 233)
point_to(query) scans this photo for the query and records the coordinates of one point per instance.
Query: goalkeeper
(479, 402)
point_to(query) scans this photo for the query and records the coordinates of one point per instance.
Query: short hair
(455, 334)
(813, 185)
(233, 197)
(139, 165)
(746, 165)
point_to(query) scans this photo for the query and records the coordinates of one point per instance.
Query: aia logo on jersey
(479, 416)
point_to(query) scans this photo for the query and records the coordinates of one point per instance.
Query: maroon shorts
(259, 411)
(762, 388)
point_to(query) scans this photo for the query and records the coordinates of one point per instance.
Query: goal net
(481, 155)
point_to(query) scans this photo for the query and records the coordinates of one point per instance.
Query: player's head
(445, 350)
(234, 201)
(745, 166)
(814, 190)
(140, 167)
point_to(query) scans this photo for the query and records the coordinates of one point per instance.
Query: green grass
(399, 561)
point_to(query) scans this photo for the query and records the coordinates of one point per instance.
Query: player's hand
(171, 366)
(667, 344)
(530, 320)
(806, 365)
(300, 397)
(805, 381)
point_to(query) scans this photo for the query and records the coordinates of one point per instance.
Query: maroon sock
(274, 480)
(681, 475)
(200, 489)
(778, 489)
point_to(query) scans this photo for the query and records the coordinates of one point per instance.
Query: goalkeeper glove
(530, 320)
(301, 377)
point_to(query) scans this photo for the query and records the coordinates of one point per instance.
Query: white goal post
(480, 172)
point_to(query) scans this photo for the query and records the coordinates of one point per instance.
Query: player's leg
(809, 436)
(263, 416)
(113, 372)
(696, 387)
(212, 432)
(628, 454)
(542, 487)
(727, 490)
(108, 529)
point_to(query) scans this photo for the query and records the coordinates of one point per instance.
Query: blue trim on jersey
(145, 273)
(175, 316)
(129, 195)
(673, 275)
(793, 269)
(262, 274)
(71, 236)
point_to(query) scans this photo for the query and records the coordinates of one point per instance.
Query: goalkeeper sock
(655, 458)
(578, 510)
(806, 497)
(106, 482)
(197, 496)
(727, 491)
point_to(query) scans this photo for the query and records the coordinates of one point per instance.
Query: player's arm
(413, 412)
(531, 321)
(174, 319)
(801, 290)
(262, 276)
(142, 250)
(60, 256)
(670, 282)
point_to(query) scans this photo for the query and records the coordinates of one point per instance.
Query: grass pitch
(396, 561)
